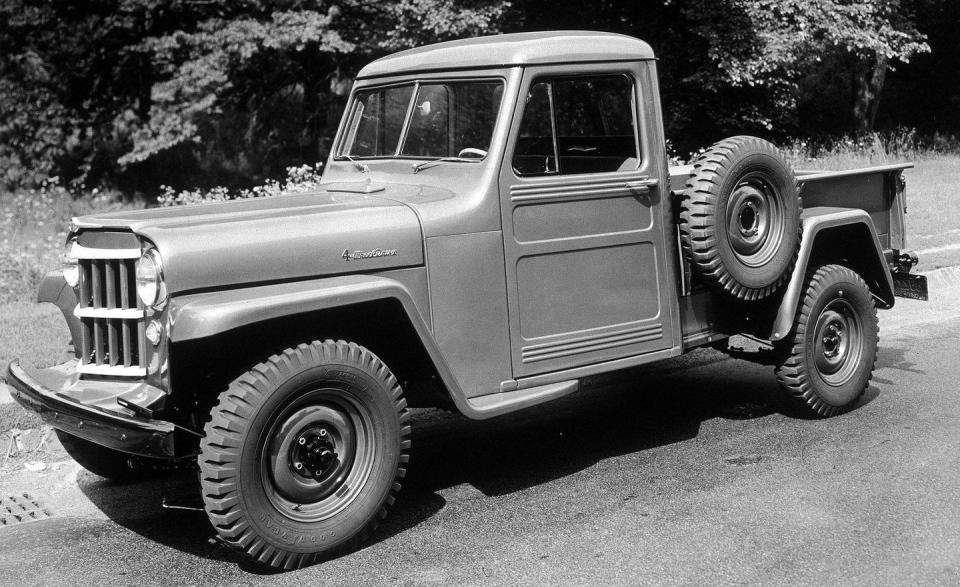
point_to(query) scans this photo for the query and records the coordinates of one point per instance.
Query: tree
(259, 86)
(180, 92)
(774, 43)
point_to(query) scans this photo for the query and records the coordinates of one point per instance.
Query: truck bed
(878, 190)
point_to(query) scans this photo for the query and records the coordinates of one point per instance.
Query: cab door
(583, 233)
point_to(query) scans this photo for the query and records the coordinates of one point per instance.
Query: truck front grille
(110, 312)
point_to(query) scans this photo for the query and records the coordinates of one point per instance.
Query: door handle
(642, 186)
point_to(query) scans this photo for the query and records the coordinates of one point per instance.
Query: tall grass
(33, 226)
(875, 148)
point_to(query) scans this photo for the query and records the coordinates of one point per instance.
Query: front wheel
(304, 453)
(826, 364)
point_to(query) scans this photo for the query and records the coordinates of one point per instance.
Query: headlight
(71, 268)
(150, 286)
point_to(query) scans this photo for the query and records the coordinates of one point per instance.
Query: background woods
(138, 93)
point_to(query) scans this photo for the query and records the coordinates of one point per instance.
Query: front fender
(204, 315)
(207, 314)
(863, 245)
(54, 289)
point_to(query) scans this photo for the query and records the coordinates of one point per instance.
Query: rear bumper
(37, 391)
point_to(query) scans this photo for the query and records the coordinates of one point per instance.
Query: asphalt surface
(685, 473)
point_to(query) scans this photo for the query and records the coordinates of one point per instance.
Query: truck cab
(550, 248)
(497, 221)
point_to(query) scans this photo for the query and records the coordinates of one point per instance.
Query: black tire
(304, 454)
(740, 218)
(826, 363)
(105, 462)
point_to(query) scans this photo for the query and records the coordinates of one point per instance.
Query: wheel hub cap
(311, 453)
(317, 454)
(754, 226)
(837, 342)
(314, 454)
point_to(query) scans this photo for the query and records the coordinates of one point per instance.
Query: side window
(535, 153)
(578, 125)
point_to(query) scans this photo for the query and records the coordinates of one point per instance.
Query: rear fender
(835, 235)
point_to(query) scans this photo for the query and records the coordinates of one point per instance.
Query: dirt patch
(29, 448)
(12, 416)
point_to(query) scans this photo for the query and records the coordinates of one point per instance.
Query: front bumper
(49, 393)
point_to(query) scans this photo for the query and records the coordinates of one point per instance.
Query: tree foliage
(221, 91)
(231, 92)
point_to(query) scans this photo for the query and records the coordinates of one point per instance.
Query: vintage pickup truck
(498, 221)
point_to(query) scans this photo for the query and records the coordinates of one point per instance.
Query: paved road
(682, 474)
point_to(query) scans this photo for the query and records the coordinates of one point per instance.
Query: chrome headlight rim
(151, 289)
(69, 264)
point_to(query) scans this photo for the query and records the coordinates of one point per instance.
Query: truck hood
(283, 238)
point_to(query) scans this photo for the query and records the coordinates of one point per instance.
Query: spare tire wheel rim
(318, 454)
(837, 342)
(755, 219)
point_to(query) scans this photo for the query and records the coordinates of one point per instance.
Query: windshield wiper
(417, 167)
(361, 167)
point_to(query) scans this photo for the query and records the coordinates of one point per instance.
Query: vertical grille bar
(125, 285)
(113, 332)
(85, 273)
(98, 340)
(110, 283)
(127, 354)
(140, 338)
(97, 283)
(125, 303)
(86, 336)
(111, 301)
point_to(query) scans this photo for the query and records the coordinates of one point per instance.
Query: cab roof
(511, 50)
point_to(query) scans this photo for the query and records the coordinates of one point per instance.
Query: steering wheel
(479, 153)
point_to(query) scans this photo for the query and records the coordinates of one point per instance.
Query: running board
(488, 406)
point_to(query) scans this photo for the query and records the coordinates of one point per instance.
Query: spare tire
(740, 218)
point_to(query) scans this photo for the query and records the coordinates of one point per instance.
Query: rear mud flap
(910, 285)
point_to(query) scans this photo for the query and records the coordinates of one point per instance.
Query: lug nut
(323, 432)
(302, 441)
(297, 466)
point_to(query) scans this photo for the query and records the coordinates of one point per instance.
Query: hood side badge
(349, 255)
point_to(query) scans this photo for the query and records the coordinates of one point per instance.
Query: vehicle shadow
(631, 412)
(634, 411)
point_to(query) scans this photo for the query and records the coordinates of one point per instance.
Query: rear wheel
(826, 364)
(304, 453)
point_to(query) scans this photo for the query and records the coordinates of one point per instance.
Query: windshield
(424, 120)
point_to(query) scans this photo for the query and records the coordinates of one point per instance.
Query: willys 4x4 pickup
(497, 222)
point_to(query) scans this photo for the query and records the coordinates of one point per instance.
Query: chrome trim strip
(118, 313)
(112, 370)
(81, 252)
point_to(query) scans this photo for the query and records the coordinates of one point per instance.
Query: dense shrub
(299, 179)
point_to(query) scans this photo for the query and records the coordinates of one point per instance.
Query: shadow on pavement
(637, 410)
(634, 411)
